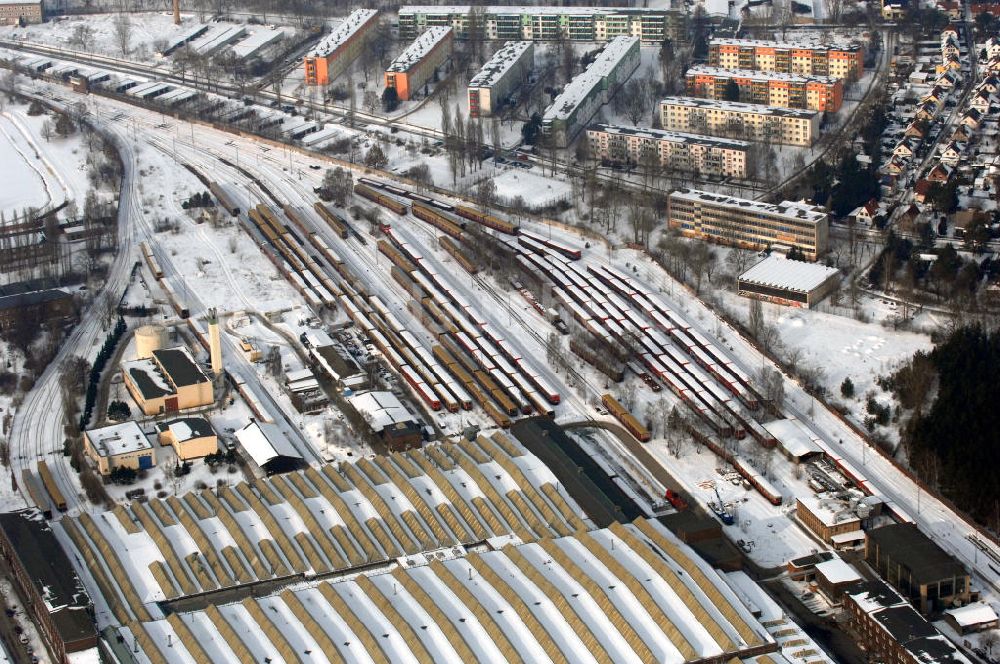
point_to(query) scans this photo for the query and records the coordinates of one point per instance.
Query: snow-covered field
(24, 184)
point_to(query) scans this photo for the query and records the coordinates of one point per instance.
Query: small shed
(975, 617)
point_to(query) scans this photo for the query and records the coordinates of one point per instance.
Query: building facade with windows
(167, 381)
(19, 12)
(669, 150)
(751, 224)
(576, 105)
(500, 23)
(816, 93)
(414, 67)
(846, 61)
(731, 119)
(119, 446)
(335, 52)
(499, 77)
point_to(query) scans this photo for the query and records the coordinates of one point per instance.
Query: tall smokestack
(177, 12)
(214, 342)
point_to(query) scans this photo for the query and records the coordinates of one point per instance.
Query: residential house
(981, 102)
(972, 119)
(950, 155)
(928, 111)
(992, 48)
(962, 134)
(921, 189)
(916, 130)
(866, 213)
(906, 148)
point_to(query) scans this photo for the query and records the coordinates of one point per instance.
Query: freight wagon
(626, 418)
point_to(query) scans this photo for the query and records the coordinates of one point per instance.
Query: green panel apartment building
(600, 24)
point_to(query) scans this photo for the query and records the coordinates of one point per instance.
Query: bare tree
(123, 32)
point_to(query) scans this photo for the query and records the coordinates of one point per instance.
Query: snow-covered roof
(848, 537)
(265, 442)
(419, 49)
(671, 136)
(790, 210)
(528, 10)
(496, 67)
(780, 272)
(738, 107)
(794, 438)
(836, 571)
(355, 21)
(124, 438)
(383, 408)
(786, 45)
(187, 428)
(973, 614)
(757, 75)
(584, 84)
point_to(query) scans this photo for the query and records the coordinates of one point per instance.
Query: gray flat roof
(800, 212)
(781, 272)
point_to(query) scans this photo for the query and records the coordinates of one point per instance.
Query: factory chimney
(177, 12)
(214, 342)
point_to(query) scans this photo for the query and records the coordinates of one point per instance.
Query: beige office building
(750, 224)
(729, 119)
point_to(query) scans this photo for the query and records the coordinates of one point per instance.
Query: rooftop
(180, 367)
(124, 438)
(757, 75)
(528, 10)
(767, 43)
(266, 443)
(836, 571)
(671, 136)
(419, 49)
(973, 614)
(383, 408)
(780, 272)
(738, 107)
(52, 574)
(500, 64)
(187, 428)
(354, 22)
(146, 376)
(18, 300)
(906, 545)
(794, 438)
(800, 212)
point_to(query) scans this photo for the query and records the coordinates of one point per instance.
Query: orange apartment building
(815, 93)
(335, 52)
(846, 61)
(416, 65)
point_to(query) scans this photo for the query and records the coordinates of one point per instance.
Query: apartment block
(335, 52)
(500, 23)
(499, 77)
(17, 13)
(730, 119)
(750, 224)
(846, 61)
(674, 150)
(415, 66)
(815, 93)
(573, 109)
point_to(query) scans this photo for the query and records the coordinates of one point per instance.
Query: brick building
(13, 12)
(844, 61)
(815, 93)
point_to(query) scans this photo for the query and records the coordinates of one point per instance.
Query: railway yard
(461, 544)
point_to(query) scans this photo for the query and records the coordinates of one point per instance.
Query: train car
(455, 251)
(37, 493)
(758, 481)
(333, 220)
(225, 201)
(51, 487)
(376, 197)
(420, 388)
(626, 418)
(436, 218)
(487, 220)
(562, 249)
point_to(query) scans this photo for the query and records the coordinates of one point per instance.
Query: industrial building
(576, 105)
(19, 12)
(815, 93)
(892, 631)
(917, 567)
(502, 74)
(167, 381)
(752, 122)
(389, 419)
(846, 61)
(119, 446)
(53, 594)
(828, 515)
(752, 224)
(790, 282)
(268, 448)
(334, 53)
(415, 67)
(45, 306)
(834, 577)
(191, 437)
(668, 150)
(588, 24)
